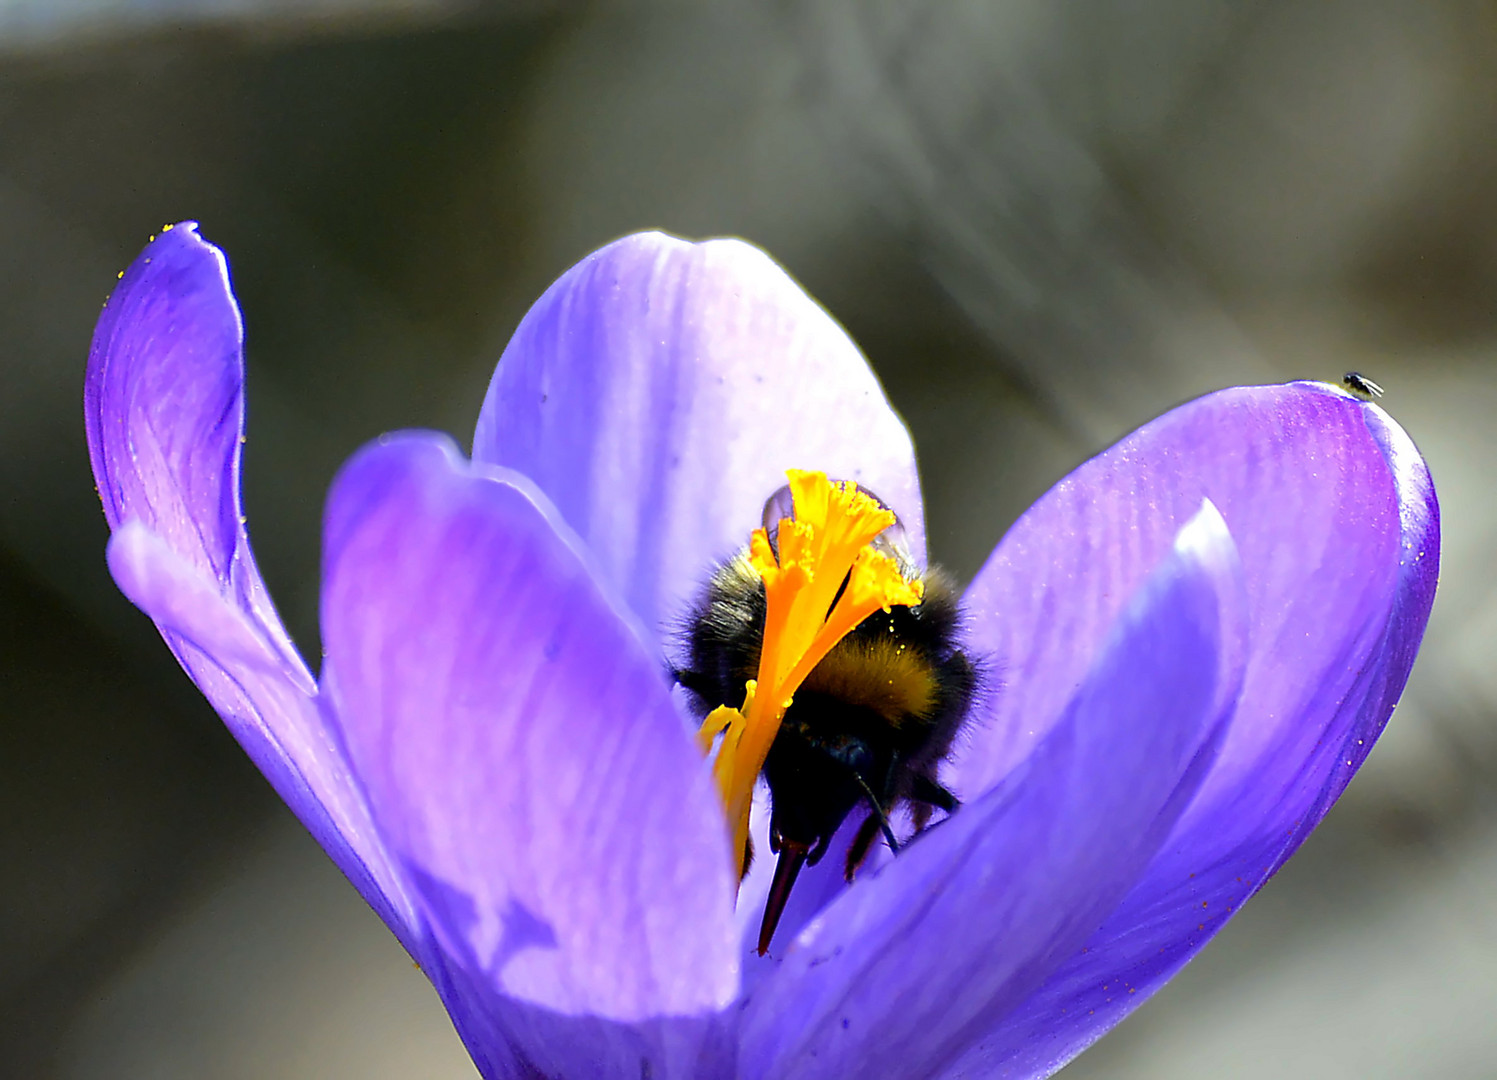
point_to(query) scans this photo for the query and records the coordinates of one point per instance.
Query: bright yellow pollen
(825, 544)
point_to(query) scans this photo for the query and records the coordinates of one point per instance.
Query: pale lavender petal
(521, 752)
(164, 409)
(658, 392)
(895, 976)
(1338, 529)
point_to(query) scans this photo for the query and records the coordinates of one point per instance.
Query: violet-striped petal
(522, 755)
(658, 392)
(164, 409)
(1338, 529)
(897, 973)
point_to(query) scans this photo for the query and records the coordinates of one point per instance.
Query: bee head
(818, 771)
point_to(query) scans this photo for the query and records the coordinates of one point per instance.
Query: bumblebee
(869, 725)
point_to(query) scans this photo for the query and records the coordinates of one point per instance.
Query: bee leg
(857, 851)
(924, 789)
(879, 814)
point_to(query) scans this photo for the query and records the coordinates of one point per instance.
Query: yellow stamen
(825, 544)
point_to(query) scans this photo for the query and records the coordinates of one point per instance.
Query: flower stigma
(821, 579)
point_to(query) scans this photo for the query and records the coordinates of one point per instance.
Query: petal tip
(165, 370)
(178, 238)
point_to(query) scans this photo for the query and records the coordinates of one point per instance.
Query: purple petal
(521, 752)
(895, 975)
(1336, 522)
(658, 392)
(164, 406)
(188, 603)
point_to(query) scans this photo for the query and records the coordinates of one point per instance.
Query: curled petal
(659, 391)
(1338, 530)
(522, 755)
(164, 408)
(185, 602)
(956, 931)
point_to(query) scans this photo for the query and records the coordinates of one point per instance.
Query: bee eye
(891, 542)
(854, 754)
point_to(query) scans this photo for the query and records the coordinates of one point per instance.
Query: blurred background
(1044, 222)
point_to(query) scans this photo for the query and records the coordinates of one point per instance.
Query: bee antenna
(878, 812)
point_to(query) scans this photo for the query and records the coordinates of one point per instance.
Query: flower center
(824, 580)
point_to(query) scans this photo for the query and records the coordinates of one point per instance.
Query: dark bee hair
(869, 725)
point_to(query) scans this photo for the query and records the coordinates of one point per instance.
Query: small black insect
(1361, 385)
(869, 725)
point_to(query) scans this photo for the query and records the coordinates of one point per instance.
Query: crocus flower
(1191, 642)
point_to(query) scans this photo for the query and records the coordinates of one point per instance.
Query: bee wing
(893, 541)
